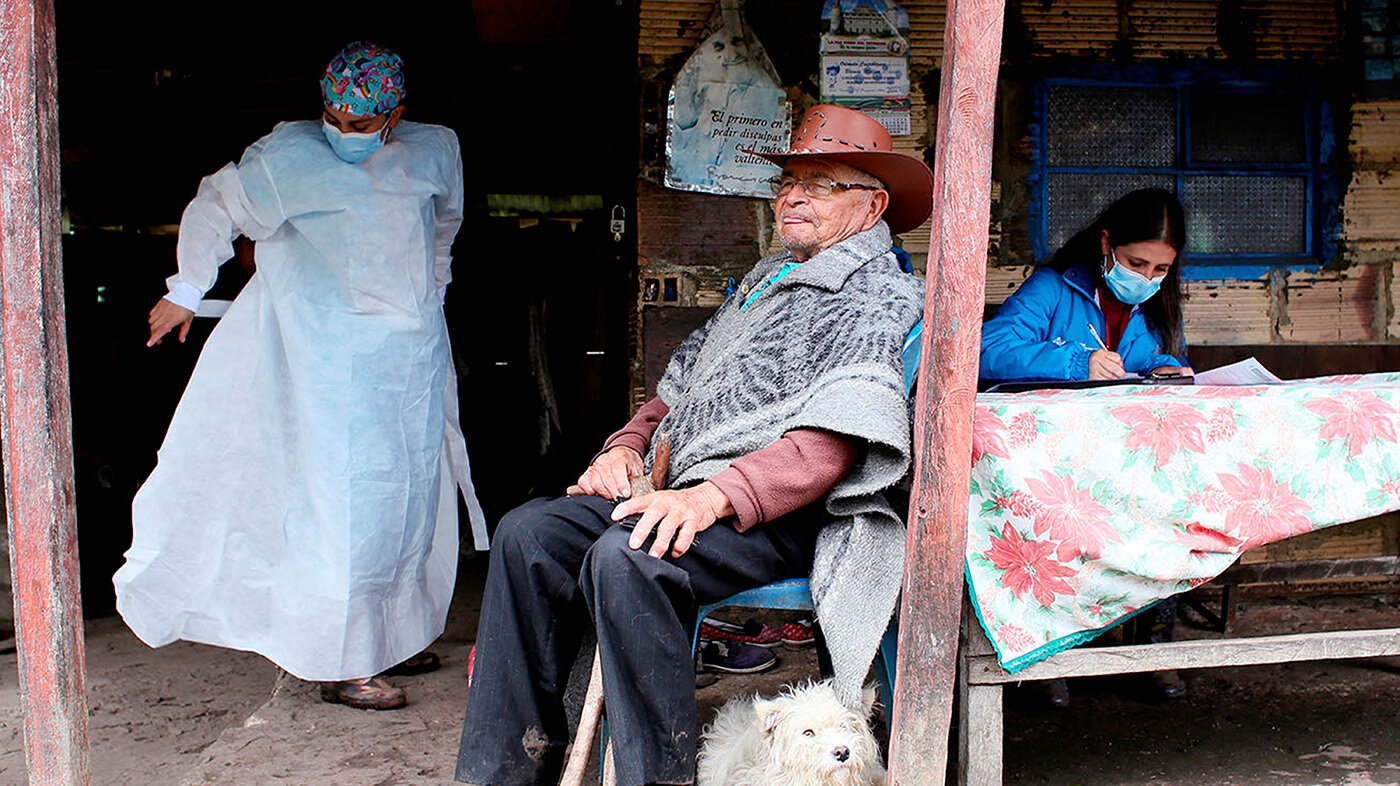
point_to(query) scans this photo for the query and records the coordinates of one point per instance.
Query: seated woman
(1107, 306)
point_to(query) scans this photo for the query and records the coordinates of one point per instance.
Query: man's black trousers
(560, 565)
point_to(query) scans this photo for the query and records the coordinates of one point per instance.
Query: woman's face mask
(352, 148)
(1128, 285)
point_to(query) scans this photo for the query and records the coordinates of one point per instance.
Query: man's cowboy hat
(835, 133)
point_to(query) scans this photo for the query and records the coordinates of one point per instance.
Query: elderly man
(786, 421)
(304, 506)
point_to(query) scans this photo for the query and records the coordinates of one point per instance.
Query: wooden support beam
(1195, 654)
(980, 721)
(35, 422)
(1287, 572)
(957, 267)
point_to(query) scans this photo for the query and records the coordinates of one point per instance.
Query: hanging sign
(727, 98)
(864, 60)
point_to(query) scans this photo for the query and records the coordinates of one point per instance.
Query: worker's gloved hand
(610, 475)
(165, 317)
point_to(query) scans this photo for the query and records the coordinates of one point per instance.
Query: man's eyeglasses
(816, 187)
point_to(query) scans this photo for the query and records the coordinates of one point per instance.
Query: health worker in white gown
(304, 503)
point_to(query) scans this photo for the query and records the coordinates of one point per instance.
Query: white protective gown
(304, 504)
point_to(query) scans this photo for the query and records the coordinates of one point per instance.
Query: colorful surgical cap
(363, 79)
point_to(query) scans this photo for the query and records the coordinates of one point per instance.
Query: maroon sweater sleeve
(797, 470)
(637, 433)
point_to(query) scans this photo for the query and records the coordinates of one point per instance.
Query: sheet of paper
(1245, 372)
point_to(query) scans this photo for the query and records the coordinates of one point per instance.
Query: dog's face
(809, 730)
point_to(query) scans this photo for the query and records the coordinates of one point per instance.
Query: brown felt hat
(835, 133)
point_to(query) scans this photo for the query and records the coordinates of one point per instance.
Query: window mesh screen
(1110, 126)
(1240, 128)
(1075, 200)
(1245, 214)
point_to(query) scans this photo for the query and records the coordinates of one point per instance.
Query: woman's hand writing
(1104, 364)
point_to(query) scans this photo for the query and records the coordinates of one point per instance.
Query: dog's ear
(868, 696)
(766, 712)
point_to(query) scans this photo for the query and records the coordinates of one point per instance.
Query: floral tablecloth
(1089, 505)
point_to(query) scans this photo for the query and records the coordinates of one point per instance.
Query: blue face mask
(352, 148)
(1128, 285)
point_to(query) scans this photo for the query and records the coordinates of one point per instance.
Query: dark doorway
(155, 96)
(550, 382)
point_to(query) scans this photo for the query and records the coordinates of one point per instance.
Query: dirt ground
(190, 714)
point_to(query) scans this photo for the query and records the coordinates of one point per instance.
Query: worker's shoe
(1157, 625)
(1051, 693)
(1164, 685)
(422, 663)
(370, 693)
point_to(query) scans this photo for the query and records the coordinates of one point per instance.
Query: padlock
(618, 225)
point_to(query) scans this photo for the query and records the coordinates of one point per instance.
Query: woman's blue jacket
(1042, 331)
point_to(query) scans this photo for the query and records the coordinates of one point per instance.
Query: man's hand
(610, 475)
(1104, 364)
(164, 317)
(678, 515)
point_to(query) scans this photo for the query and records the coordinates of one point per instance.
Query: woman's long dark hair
(1145, 214)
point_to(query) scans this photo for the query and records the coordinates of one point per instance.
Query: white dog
(803, 737)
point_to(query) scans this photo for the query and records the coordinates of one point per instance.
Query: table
(1087, 506)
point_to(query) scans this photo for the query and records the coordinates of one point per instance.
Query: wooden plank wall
(1371, 209)
(1354, 300)
(1180, 29)
(702, 240)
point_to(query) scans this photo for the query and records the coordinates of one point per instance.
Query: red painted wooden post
(937, 534)
(37, 433)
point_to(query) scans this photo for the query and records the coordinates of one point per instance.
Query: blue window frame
(1243, 154)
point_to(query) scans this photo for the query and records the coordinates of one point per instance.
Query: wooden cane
(587, 726)
(582, 748)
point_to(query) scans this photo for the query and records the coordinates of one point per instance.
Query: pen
(1095, 333)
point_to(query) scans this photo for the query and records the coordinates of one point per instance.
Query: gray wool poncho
(819, 349)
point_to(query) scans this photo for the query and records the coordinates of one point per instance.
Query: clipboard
(1022, 386)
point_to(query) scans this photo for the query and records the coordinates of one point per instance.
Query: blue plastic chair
(790, 594)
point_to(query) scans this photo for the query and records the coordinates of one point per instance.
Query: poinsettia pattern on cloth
(1356, 417)
(1089, 505)
(1162, 427)
(988, 434)
(1028, 565)
(1069, 515)
(1263, 510)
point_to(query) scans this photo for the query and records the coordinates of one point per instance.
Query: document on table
(1245, 372)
